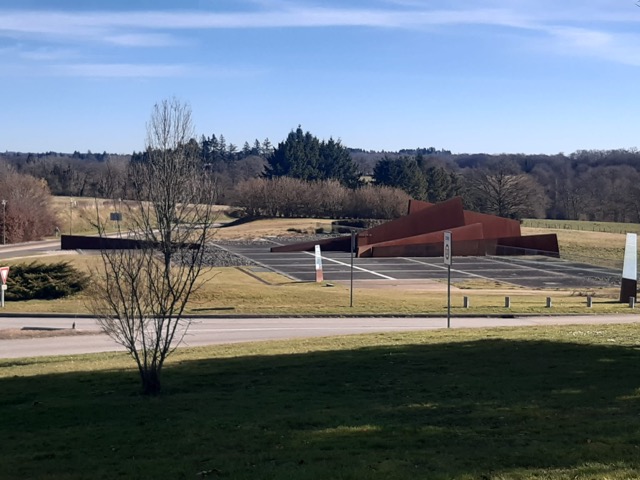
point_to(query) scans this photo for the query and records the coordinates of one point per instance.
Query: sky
(470, 76)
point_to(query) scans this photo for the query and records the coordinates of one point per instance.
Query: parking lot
(530, 272)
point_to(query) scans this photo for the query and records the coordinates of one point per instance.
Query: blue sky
(530, 76)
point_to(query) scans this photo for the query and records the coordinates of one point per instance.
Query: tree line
(597, 185)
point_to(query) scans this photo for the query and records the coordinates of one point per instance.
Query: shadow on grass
(489, 409)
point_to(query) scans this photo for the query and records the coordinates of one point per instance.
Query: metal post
(448, 256)
(119, 216)
(549, 304)
(353, 247)
(4, 227)
(72, 203)
(449, 296)
(507, 302)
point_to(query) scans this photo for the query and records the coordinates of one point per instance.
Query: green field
(233, 291)
(606, 227)
(495, 404)
(240, 291)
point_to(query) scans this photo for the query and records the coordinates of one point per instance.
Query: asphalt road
(207, 331)
(28, 249)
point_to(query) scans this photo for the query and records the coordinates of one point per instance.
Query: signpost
(447, 262)
(4, 274)
(353, 248)
(319, 276)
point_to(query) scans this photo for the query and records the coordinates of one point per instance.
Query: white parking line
(386, 277)
(458, 271)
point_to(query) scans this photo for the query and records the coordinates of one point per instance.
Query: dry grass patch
(273, 227)
(232, 290)
(600, 248)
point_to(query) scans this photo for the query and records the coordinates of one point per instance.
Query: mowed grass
(241, 291)
(245, 291)
(594, 248)
(582, 225)
(496, 404)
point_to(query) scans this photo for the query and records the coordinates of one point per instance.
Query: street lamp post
(4, 222)
(72, 203)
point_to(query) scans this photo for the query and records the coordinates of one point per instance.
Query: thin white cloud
(56, 23)
(140, 70)
(143, 40)
(620, 48)
(559, 25)
(119, 70)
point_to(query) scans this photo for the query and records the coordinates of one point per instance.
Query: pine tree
(303, 156)
(402, 173)
(336, 163)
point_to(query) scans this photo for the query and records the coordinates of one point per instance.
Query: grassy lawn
(607, 227)
(595, 248)
(234, 291)
(244, 291)
(494, 404)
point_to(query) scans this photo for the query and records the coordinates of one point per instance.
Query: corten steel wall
(442, 216)
(473, 248)
(77, 242)
(417, 205)
(468, 232)
(546, 244)
(494, 227)
(337, 244)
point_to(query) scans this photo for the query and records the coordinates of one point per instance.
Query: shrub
(39, 281)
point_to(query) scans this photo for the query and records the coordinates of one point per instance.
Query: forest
(305, 176)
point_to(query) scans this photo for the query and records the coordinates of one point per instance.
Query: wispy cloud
(143, 40)
(561, 26)
(141, 70)
(64, 24)
(620, 47)
(119, 70)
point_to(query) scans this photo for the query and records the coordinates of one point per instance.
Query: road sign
(319, 275)
(4, 274)
(447, 248)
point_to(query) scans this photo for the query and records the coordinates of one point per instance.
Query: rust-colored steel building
(420, 233)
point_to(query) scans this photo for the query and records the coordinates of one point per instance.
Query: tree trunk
(150, 381)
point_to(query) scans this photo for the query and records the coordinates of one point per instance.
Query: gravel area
(217, 256)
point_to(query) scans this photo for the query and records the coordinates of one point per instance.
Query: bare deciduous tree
(142, 297)
(28, 213)
(501, 190)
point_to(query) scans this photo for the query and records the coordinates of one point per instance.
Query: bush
(39, 281)
(292, 197)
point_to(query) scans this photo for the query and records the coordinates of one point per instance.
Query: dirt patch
(423, 285)
(17, 333)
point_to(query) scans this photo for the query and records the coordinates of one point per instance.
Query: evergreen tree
(303, 156)
(439, 184)
(257, 148)
(402, 173)
(298, 157)
(336, 163)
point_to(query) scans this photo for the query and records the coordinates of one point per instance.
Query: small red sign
(4, 274)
